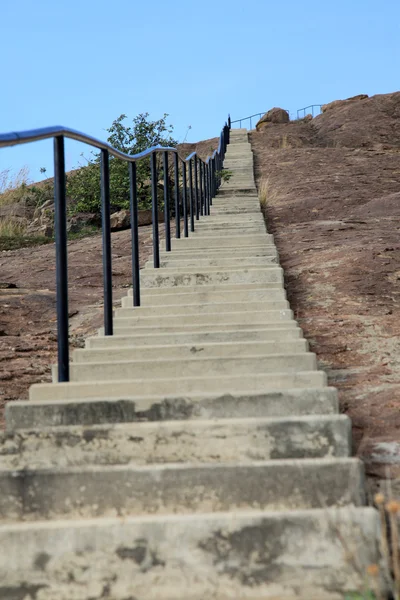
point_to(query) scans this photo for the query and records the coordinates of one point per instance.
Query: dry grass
(13, 185)
(10, 228)
(267, 193)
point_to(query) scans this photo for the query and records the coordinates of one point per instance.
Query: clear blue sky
(83, 63)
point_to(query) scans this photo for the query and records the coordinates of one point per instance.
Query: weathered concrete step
(237, 191)
(246, 252)
(106, 491)
(177, 385)
(250, 554)
(114, 352)
(198, 441)
(244, 263)
(190, 367)
(258, 230)
(220, 219)
(243, 252)
(219, 288)
(140, 329)
(130, 408)
(201, 307)
(167, 278)
(224, 242)
(130, 318)
(277, 334)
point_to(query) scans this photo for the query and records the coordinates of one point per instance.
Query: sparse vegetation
(83, 187)
(267, 193)
(224, 174)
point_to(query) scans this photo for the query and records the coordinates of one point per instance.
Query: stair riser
(195, 442)
(129, 318)
(223, 242)
(201, 337)
(195, 298)
(117, 353)
(245, 263)
(162, 369)
(281, 403)
(163, 278)
(200, 308)
(206, 385)
(123, 490)
(136, 558)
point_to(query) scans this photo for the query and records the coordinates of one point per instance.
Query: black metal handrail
(259, 115)
(312, 106)
(200, 191)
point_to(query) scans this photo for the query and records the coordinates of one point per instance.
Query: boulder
(308, 118)
(120, 220)
(275, 115)
(340, 103)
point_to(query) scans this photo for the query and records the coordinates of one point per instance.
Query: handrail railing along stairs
(197, 194)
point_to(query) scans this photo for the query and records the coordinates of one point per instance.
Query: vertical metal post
(229, 122)
(134, 234)
(177, 207)
(201, 188)
(154, 207)
(206, 209)
(184, 200)
(191, 195)
(60, 219)
(106, 235)
(167, 223)
(196, 187)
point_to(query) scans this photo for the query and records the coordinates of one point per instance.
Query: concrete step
(206, 289)
(121, 490)
(126, 317)
(113, 352)
(194, 557)
(129, 408)
(141, 329)
(266, 295)
(130, 318)
(227, 241)
(132, 337)
(167, 278)
(196, 442)
(242, 252)
(201, 307)
(244, 263)
(112, 370)
(177, 385)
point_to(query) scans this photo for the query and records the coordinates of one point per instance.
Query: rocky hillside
(332, 191)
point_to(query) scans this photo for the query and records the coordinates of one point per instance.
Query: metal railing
(315, 108)
(251, 117)
(197, 195)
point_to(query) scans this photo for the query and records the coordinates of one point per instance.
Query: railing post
(167, 223)
(196, 187)
(191, 195)
(134, 233)
(60, 219)
(184, 200)
(106, 235)
(154, 207)
(201, 187)
(207, 197)
(177, 207)
(229, 122)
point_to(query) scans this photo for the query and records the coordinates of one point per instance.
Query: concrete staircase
(198, 453)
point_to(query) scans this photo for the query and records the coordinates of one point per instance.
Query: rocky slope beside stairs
(198, 453)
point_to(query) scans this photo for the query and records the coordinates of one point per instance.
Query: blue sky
(83, 63)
